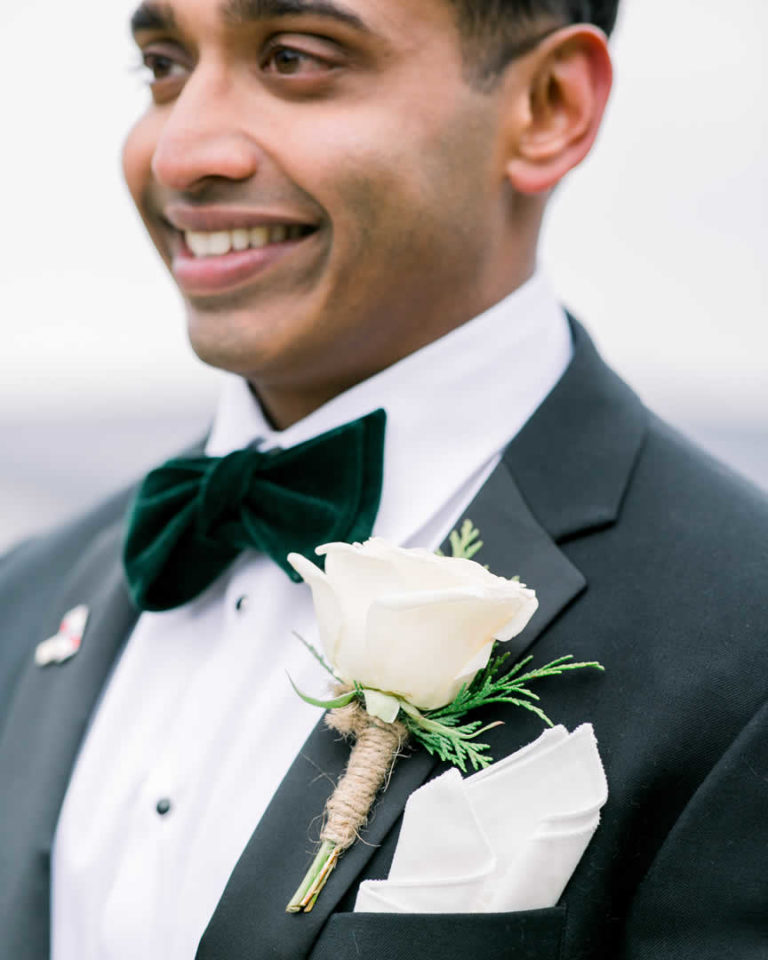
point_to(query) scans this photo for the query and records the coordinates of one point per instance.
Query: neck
(283, 407)
(286, 401)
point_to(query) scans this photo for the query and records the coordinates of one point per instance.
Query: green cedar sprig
(440, 731)
(465, 542)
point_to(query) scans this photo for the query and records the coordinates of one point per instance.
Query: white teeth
(241, 239)
(220, 242)
(259, 236)
(197, 243)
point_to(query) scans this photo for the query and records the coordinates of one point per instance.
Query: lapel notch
(574, 458)
(515, 544)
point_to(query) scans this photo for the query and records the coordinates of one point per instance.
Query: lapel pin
(64, 644)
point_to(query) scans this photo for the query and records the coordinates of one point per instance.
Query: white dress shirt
(198, 723)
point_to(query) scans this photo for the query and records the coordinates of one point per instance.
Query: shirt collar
(451, 406)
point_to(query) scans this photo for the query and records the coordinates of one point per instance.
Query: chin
(249, 343)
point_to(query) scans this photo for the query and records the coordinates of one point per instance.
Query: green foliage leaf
(341, 701)
(450, 741)
(466, 541)
(441, 731)
(493, 686)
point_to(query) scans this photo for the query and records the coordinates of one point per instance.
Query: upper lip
(211, 219)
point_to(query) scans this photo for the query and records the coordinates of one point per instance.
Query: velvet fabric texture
(193, 516)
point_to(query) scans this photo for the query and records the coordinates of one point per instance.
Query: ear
(558, 104)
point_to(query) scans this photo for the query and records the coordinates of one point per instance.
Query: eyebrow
(153, 16)
(241, 12)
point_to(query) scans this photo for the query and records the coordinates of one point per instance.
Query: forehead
(375, 16)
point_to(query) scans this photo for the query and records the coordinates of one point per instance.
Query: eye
(161, 67)
(288, 61)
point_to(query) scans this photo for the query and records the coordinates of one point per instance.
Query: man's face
(322, 181)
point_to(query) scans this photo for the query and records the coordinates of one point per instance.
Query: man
(349, 197)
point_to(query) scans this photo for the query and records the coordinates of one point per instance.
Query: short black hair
(497, 31)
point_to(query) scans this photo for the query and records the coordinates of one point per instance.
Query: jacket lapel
(251, 914)
(515, 544)
(574, 458)
(564, 475)
(45, 726)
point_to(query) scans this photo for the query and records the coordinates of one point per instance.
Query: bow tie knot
(193, 516)
(221, 504)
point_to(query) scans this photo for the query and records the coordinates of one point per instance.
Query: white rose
(407, 622)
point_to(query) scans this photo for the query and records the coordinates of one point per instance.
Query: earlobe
(567, 92)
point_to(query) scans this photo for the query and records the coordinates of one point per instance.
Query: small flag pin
(62, 646)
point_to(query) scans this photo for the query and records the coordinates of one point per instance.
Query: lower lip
(209, 275)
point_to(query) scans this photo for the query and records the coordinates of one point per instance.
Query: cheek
(412, 203)
(402, 172)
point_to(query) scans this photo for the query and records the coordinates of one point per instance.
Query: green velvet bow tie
(192, 517)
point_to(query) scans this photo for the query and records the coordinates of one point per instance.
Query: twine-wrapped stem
(370, 761)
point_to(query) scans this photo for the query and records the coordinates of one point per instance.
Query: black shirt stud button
(241, 603)
(163, 806)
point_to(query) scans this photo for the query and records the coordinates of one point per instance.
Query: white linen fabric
(198, 723)
(506, 838)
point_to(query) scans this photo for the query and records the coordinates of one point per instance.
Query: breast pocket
(528, 935)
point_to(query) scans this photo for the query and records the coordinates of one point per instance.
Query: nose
(203, 135)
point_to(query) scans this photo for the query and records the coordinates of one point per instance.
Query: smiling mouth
(214, 262)
(219, 243)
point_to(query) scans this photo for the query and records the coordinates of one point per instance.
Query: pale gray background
(658, 243)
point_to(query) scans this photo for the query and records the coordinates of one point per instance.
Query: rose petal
(418, 651)
(357, 579)
(519, 621)
(480, 660)
(356, 571)
(328, 612)
(424, 570)
(403, 569)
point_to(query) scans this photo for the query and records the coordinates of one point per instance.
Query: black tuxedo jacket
(645, 554)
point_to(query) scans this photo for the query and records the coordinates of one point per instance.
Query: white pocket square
(504, 839)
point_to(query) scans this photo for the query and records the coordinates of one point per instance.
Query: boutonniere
(414, 642)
